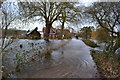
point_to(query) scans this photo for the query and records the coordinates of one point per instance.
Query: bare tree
(48, 11)
(86, 32)
(107, 15)
(7, 18)
(70, 13)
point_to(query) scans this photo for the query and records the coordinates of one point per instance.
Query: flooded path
(71, 61)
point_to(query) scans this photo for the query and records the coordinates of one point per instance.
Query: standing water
(71, 61)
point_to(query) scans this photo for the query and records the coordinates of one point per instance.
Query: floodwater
(71, 61)
(29, 48)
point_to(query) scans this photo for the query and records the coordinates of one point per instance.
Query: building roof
(31, 32)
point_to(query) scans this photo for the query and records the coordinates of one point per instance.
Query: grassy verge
(90, 43)
(108, 64)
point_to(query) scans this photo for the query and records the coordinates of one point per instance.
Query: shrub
(68, 36)
(101, 35)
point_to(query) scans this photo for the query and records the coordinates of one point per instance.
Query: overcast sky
(40, 25)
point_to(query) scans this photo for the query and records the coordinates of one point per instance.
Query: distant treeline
(14, 32)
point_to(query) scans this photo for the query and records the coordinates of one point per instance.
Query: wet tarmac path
(71, 61)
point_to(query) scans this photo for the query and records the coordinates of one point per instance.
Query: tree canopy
(49, 12)
(107, 15)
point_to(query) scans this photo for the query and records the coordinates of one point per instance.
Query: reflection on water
(71, 61)
(21, 50)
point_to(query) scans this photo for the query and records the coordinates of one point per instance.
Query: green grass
(90, 43)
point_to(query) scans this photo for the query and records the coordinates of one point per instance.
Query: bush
(101, 35)
(66, 37)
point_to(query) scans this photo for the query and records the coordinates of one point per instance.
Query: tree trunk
(112, 37)
(4, 31)
(62, 29)
(118, 34)
(1, 2)
(47, 31)
(112, 40)
(86, 35)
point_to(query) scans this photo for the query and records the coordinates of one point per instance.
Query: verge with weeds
(107, 63)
